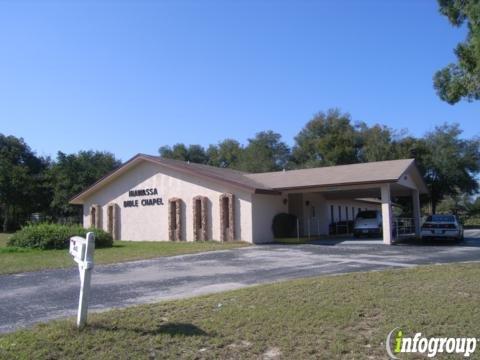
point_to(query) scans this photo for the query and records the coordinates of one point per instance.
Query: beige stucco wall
(408, 181)
(351, 204)
(264, 208)
(319, 224)
(151, 222)
(253, 212)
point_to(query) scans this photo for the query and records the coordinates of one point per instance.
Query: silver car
(368, 223)
(442, 227)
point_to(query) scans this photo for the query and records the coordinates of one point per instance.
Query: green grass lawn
(331, 317)
(14, 260)
(3, 239)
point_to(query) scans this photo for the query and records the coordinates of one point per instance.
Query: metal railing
(404, 227)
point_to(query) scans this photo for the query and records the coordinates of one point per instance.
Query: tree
(72, 173)
(376, 143)
(177, 152)
(22, 187)
(410, 147)
(327, 139)
(449, 163)
(192, 153)
(473, 208)
(197, 154)
(265, 152)
(461, 80)
(226, 154)
(458, 204)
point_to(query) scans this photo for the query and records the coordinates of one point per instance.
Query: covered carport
(385, 193)
(310, 191)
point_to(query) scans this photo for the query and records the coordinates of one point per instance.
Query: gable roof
(223, 175)
(354, 174)
(271, 182)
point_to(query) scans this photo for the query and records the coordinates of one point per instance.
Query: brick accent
(200, 229)
(227, 217)
(96, 216)
(175, 219)
(112, 215)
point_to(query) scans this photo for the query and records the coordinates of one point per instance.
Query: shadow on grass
(181, 329)
(118, 245)
(172, 329)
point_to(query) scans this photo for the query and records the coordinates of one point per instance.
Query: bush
(102, 238)
(472, 222)
(54, 236)
(284, 225)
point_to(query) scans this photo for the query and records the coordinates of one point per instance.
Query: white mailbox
(82, 251)
(77, 248)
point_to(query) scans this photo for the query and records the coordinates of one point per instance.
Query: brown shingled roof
(372, 172)
(231, 176)
(271, 182)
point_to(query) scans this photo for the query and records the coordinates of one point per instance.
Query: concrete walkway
(30, 298)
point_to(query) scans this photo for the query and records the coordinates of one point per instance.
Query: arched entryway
(227, 218)
(175, 219)
(200, 219)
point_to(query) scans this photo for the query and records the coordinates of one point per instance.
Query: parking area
(30, 298)
(408, 252)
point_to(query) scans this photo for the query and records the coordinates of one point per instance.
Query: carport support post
(416, 211)
(386, 214)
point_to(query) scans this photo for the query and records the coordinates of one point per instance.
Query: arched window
(112, 220)
(227, 218)
(93, 216)
(200, 220)
(175, 219)
(96, 216)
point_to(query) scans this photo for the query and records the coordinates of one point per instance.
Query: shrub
(284, 225)
(472, 222)
(55, 236)
(102, 238)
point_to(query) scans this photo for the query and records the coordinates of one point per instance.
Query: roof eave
(336, 185)
(424, 187)
(218, 179)
(267, 192)
(80, 198)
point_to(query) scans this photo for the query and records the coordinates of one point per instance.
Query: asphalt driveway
(30, 298)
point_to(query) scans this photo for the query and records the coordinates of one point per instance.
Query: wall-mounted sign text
(143, 202)
(142, 192)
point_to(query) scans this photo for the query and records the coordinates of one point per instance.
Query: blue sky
(131, 76)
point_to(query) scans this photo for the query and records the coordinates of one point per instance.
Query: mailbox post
(82, 251)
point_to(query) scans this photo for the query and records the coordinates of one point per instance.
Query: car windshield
(367, 215)
(441, 218)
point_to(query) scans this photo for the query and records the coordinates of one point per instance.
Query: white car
(442, 227)
(368, 223)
